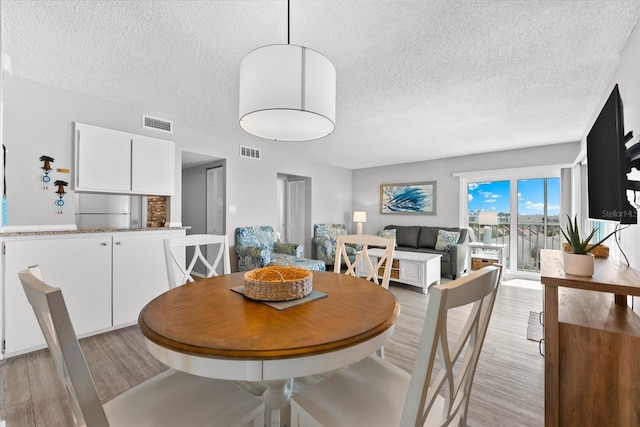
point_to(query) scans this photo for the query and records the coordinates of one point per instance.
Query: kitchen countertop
(87, 230)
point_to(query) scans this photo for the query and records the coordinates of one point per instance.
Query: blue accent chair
(256, 247)
(325, 237)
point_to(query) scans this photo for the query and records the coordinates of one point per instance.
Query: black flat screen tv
(607, 165)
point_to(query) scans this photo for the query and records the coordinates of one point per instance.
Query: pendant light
(287, 92)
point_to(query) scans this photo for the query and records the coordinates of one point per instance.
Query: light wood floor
(508, 389)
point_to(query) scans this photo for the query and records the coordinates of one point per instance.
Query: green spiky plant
(579, 246)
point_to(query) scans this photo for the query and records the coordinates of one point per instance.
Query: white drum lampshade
(359, 217)
(287, 93)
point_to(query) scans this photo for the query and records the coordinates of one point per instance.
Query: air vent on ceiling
(156, 123)
(251, 153)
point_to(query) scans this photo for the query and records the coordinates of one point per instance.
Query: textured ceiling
(417, 80)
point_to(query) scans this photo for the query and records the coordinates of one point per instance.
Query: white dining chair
(363, 243)
(172, 398)
(174, 247)
(374, 392)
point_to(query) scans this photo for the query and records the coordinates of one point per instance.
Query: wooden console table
(592, 345)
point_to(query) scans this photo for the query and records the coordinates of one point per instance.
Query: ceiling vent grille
(250, 153)
(156, 123)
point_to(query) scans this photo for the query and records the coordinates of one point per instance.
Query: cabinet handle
(103, 244)
(118, 243)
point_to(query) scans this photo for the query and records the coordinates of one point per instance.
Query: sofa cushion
(446, 239)
(406, 235)
(428, 237)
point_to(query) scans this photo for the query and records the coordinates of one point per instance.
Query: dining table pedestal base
(277, 406)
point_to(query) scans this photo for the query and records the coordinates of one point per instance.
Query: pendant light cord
(288, 22)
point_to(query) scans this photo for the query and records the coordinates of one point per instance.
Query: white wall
(38, 121)
(628, 80)
(366, 182)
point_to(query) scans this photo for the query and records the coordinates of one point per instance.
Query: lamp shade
(487, 218)
(287, 93)
(359, 216)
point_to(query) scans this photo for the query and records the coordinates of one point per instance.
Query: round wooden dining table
(206, 328)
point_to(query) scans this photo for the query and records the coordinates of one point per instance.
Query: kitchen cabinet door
(103, 159)
(153, 166)
(80, 266)
(139, 272)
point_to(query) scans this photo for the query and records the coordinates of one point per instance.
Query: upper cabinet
(102, 159)
(152, 166)
(111, 161)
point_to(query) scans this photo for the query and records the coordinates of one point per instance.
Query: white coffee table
(412, 268)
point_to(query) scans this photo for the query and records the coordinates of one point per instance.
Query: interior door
(282, 208)
(215, 209)
(296, 191)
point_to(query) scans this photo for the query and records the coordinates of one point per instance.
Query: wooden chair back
(53, 317)
(445, 370)
(363, 242)
(220, 244)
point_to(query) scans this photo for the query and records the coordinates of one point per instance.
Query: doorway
(203, 199)
(294, 209)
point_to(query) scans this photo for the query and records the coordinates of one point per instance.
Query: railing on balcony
(531, 238)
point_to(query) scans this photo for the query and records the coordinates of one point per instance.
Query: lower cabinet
(80, 266)
(106, 279)
(138, 276)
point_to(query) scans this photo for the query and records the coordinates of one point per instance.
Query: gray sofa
(414, 238)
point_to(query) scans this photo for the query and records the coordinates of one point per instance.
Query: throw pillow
(446, 239)
(388, 234)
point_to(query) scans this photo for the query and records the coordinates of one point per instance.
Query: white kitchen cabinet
(103, 159)
(111, 161)
(139, 272)
(106, 279)
(152, 166)
(79, 265)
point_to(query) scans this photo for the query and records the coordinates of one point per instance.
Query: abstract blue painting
(413, 198)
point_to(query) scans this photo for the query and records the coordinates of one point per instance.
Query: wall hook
(46, 168)
(60, 192)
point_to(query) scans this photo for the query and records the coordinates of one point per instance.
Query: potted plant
(579, 262)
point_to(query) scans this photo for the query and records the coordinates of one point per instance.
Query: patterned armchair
(257, 247)
(324, 238)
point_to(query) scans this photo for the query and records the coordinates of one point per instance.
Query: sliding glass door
(530, 207)
(490, 196)
(538, 220)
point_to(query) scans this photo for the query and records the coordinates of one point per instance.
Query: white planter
(578, 264)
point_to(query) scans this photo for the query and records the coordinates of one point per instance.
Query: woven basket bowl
(277, 283)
